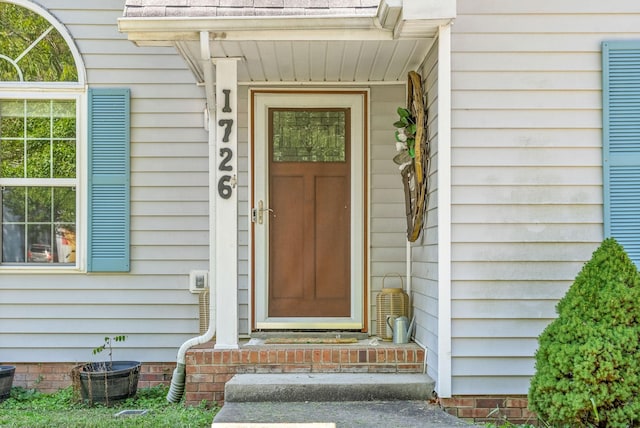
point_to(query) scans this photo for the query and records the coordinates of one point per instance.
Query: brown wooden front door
(309, 222)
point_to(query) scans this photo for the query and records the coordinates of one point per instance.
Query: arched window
(41, 87)
(32, 49)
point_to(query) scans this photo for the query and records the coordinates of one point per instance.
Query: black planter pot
(6, 380)
(99, 383)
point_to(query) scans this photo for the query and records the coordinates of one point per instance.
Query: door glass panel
(309, 135)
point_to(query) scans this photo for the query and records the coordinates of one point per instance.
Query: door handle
(261, 210)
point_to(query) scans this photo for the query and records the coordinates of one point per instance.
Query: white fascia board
(389, 13)
(418, 19)
(156, 30)
(411, 29)
(428, 9)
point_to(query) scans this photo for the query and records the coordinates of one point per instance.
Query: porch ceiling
(316, 60)
(374, 45)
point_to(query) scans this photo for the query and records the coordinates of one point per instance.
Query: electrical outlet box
(198, 281)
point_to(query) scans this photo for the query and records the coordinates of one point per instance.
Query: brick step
(296, 387)
(209, 369)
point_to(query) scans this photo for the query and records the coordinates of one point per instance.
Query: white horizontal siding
(497, 384)
(531, 136)
(540, 175)
(515, 328)
(548, 8)
(486, 193)
(61, 317)
(243, 213)
(508, 290)
(424, 253)
(387, 245)
(527, 183)
(521, 251)
(491, 365)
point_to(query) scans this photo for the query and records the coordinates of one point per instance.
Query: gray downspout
(178, 379)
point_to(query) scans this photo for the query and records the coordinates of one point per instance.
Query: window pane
(34, 50)
(65, 249)
(64, 200)
(13, 204)
(64, 159)
(38, 119)
(39, 243)
(65, 220)
(38, 127)
(13, 250)
(38, 159)
(39, 204)
(12, 118)
(64, 127)
(42, 230)
(11, 158)
(312, 135)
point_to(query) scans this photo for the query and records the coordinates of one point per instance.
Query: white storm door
(292, 255)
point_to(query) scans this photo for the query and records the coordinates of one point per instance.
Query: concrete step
(344, 414)
(312, 387)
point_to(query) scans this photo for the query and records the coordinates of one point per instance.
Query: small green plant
(107, 345)
(587, 365)
(105, 381)
(405, 132)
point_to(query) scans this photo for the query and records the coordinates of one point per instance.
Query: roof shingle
(212, 8)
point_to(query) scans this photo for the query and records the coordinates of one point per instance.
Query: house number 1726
(225, 183)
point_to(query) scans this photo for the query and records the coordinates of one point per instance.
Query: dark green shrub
(588, 360)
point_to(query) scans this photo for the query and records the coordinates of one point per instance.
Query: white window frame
(57, 90)
(79, 182)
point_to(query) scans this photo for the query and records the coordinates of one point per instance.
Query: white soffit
(316, 61)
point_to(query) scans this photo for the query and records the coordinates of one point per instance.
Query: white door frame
(261, 101)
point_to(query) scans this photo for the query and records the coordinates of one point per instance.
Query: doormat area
(309, 340)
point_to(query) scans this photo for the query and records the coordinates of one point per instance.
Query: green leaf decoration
(403, 112)
(398, 124)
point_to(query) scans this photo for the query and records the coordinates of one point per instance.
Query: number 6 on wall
(224, 187)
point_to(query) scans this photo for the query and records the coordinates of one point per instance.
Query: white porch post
(226, 192)
(444, 380)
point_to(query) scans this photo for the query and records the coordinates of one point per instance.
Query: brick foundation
(209, 369)
(496, 409)
(50, 377)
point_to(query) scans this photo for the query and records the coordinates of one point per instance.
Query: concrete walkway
(383, 414)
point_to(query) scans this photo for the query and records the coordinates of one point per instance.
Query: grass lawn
(31, 409)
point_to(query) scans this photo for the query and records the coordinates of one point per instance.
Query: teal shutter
(108, 213)
(621, 143)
